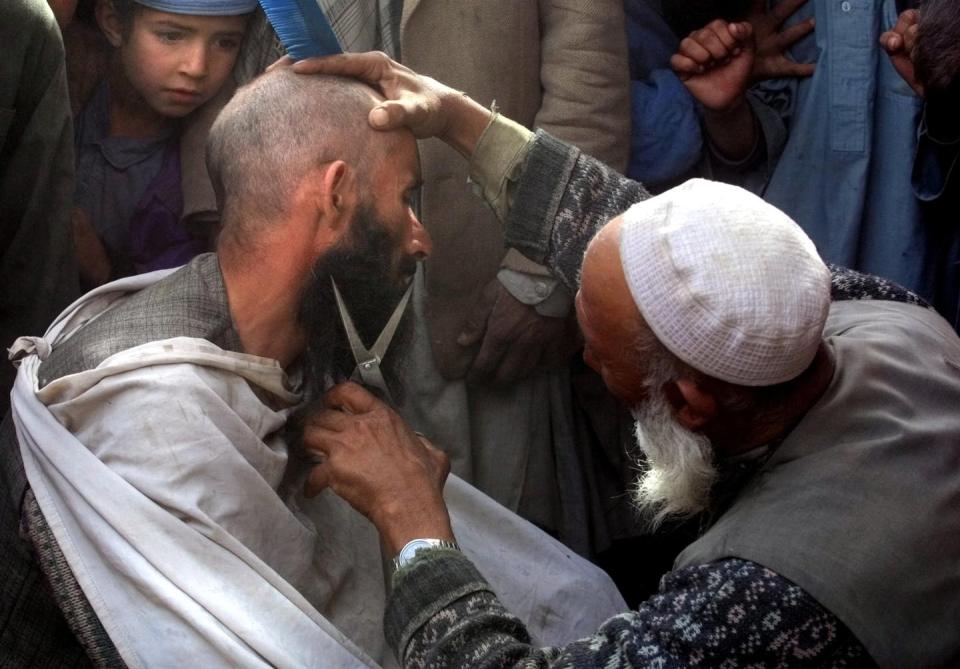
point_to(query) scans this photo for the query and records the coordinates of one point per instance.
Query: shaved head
(275, 131)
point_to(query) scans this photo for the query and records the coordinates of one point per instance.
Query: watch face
(412, 549)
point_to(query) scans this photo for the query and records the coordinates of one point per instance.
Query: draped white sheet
(163, 477)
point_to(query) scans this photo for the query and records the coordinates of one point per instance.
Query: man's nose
(419, 243)
(194, 61)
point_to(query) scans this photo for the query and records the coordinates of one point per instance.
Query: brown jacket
(560, 65)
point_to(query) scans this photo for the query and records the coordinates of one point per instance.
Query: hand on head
(900, 43)
(412, 100)
(425, 106)
(373, 460)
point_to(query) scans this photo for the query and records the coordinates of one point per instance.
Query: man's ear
(337, 199)
(693, 406)
(337, 178)
(109, 22)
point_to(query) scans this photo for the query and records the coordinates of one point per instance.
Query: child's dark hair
(126, 11)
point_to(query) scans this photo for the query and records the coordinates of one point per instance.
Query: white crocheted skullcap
(727, 282)
(202, 7)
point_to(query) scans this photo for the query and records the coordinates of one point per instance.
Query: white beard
(676, 479)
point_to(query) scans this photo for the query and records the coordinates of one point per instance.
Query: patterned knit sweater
(730, 613)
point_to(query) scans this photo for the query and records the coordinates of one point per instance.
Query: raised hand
(899, 44)
(425, 106)
(771, 61)
(715, 63)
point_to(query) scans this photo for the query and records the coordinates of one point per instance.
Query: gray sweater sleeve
(563, 197)
(727, 613)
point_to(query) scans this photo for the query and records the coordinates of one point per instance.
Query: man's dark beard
(362, 266)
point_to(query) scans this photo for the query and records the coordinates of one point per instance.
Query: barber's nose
(419, 244)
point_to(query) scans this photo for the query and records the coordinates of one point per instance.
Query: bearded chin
(678, 473)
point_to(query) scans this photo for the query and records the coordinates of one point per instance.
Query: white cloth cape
(167, 487)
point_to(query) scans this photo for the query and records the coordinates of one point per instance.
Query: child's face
(177, 61)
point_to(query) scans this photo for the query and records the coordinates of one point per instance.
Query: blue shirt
(666, 140)
(841, 145)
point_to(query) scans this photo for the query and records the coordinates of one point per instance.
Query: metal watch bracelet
(410, 550)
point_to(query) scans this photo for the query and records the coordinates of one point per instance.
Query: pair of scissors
(368, 360)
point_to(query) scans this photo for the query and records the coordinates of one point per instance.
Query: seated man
(814, 433)
(155, 492)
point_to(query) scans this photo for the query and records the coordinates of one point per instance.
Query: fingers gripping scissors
(368, 360)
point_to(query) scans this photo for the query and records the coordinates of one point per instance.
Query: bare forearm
(405, 522)
(466, 121)
(732, 131)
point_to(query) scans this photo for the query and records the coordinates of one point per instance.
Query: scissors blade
(380, 346)
(367, 370)
(360, 352)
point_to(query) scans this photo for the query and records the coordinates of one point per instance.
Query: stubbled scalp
(275, 130)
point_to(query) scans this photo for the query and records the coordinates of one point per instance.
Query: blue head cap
(202, 7)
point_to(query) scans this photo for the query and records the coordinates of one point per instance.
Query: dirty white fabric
(164, 479)
(727, 282)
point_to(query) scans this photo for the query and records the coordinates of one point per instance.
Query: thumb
(381, 118)
(473, 330)
(742, 31)
(317, 481)
(350, 397)
(391, 114)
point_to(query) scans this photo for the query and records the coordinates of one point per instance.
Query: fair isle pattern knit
(848, 284)
(576, 195)
(729, 614)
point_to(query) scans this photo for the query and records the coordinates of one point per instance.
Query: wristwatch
(408, 552)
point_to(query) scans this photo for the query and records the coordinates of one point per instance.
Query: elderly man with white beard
(808, 415)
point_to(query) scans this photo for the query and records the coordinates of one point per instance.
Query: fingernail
(379, 117)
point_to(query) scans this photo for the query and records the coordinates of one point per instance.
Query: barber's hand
(772, 61)
(92, 259)
(373, 460)
(514, 338)
(715, 63)
(899, 44)
(425, 106)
